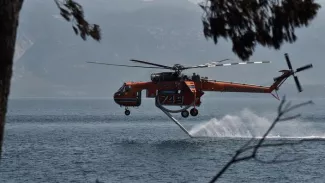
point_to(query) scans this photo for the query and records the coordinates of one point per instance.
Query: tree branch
(248, 23)
(73, 12)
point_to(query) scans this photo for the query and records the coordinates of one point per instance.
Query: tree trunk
(9, 16)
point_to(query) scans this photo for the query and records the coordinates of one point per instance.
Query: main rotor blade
(125, 65)
(304, 67)
(228, 64)
(149, 63)
(216, 62)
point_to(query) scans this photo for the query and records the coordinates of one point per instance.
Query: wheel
(127, 112)
(194, 112)
(185, 114)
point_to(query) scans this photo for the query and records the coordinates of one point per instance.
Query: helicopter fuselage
(178, 91)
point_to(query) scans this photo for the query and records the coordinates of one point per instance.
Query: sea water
(89, 140)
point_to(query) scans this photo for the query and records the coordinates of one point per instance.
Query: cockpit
(126, 97)
(124, 88)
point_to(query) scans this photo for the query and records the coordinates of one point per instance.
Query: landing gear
(194, 112)
(127, 112)
(185, 114)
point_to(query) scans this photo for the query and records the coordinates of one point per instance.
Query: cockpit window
(125, 88)
(122, 88)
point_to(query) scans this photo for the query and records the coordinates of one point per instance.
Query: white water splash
(249, 124)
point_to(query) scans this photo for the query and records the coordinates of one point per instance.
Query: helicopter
(176, 89)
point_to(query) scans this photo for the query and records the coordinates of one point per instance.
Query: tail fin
(278, 81)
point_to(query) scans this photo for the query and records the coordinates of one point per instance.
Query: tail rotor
(297, 70)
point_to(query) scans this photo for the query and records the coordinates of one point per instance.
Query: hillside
(50, 59)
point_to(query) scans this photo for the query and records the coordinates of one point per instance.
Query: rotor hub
(178, 67)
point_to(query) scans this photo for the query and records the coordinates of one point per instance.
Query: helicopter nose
(117, 97)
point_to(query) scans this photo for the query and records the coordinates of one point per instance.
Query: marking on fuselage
(172, 99)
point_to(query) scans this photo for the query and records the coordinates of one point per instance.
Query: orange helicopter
(177, 89)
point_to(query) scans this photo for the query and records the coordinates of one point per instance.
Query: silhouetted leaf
(65, 16)
(75, 30)
(83, 35)
(64, 11)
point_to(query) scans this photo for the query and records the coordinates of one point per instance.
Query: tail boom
(278, 81)
(223, 86)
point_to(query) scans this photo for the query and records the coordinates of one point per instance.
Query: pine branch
(247, 23)
(73, 12)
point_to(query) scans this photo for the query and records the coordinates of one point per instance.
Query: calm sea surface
(56, 140)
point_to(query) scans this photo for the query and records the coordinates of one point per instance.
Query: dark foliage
(73, 12)
(251, 22)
